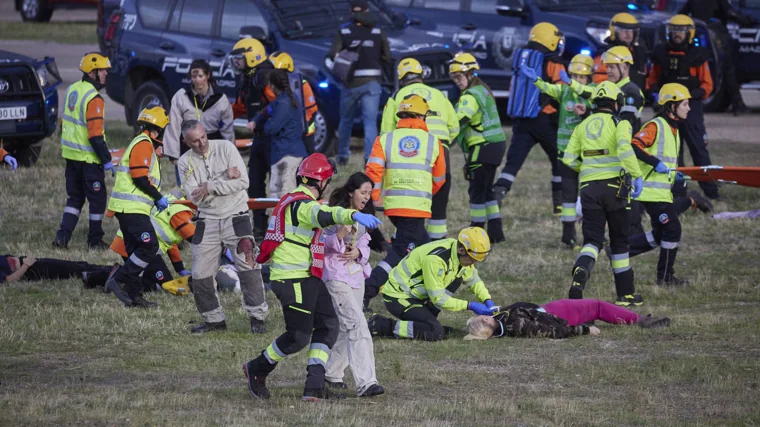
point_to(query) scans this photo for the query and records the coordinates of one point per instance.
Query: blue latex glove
(655, 98)
(529, 73)
(184, 273)
(491, 305)
(679, 176)
(564, 77)
(269, 109)
(479, 308)
(162, 203)
(638, 186)
(11, 161)
(661, 168)
(367, 220)
(109, 167)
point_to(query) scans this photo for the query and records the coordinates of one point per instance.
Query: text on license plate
(12, 113)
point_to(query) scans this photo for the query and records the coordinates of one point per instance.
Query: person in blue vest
(534, 114)
(83, 145)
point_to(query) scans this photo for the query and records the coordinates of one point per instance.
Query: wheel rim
(320, 134)
(31, 7)
(149, 101)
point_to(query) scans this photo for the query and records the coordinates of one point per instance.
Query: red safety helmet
(317, 166)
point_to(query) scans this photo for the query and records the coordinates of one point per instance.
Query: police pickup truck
(156, 40)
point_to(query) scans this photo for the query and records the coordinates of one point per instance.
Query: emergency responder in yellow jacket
(483, 141)
(83, 145)
(136, 191)
(600, 150)
(295, 245)
(425, 281)
(442, 123)
(657, 146)
(619, 63)
(407, 168)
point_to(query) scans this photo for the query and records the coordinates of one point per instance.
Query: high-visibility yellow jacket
(442, 120)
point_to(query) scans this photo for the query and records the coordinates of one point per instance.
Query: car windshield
(606, 5)
(299, 19)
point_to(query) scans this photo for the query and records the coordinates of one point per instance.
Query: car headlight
(599, 34)
(42, 76)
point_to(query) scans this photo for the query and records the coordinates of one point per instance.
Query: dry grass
(75, 357)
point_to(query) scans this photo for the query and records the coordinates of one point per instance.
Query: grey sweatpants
(354, 347)
(210, 236)
(282, 176)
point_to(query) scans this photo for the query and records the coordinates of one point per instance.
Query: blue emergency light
(324, 84)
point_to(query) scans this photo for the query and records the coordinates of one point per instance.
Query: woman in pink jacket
(346, 267)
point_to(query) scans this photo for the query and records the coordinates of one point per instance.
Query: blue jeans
(369, 96)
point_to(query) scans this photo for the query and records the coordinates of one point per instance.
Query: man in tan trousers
(214, 178)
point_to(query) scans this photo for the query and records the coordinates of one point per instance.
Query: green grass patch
(59, 32)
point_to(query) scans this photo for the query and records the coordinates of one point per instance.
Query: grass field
(61, 32)
(70, 356)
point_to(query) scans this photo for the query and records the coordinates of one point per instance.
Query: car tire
(36, 10)
(26, 153)
(325, 141)
(148, 94)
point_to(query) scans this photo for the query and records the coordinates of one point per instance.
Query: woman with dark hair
(201, 101)
(285, 125)
(346, 267)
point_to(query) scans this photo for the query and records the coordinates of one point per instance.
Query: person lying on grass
(14, 268)
(558, 319)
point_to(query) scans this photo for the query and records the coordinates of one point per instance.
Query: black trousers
(155, 274)
(437, 227)
(417, 319)
(665, 234)
(142, 247)
(310, 319)
(410, 233)
(84, 182)
(696, 140)
(525, 134)
(58, 269)
(569, 199)
(483, 205)
(258, 169)
(602, 207)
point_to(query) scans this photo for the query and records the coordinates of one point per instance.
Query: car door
(748, 64)
(188, 37)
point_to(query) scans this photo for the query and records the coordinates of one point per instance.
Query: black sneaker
(112, 285)
(257, 384)
(699, 202)
(59, 243)
(98, 246)
(373, 390)
(339, 385)
(557, 210)
(258, 326)
(571, 244)
(649, 322)
(209, 327)
(629, 300)
(319, 394)
(673, 281)
(140, 302)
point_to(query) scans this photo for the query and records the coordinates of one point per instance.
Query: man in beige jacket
(214, 178)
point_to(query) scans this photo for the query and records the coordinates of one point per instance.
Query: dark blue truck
(28, 104)
(156, 41)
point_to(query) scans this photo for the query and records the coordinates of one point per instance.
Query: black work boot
(119, 290)
(338, 385)
(319, 394)
(580, 277)
(629, 300)
(140, 302)
(373, 390)
(380, 326)
(60, 243)
(257, 383)
(98, 246)
(258, 326)
(699, 202)
(209, 327)
(557, 201)
(672, 281)
(649, 322)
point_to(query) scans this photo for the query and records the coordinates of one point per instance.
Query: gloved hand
(184, 273)
(529, 73)
(11, 161)
(162, 203)
(679, 176)
(367, 220)
(655, 98)
(479, 308)
(661, 168)
(564, 77)
(228, 255)
(109, 167)
(638, 186)
(491, 305)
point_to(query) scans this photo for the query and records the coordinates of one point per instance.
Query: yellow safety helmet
(547, 35)
(682, 23)
(607, 90)
(413, 104)
(624, 21)
(673, 92)
(409, 66)
(282, 61)
(617, 55)
(476, 242)
(155, 116)
(582, 65)
(94, 61)
(463, 62)
(250, 49)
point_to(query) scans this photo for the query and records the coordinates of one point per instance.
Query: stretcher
(748, 176)
(253, 204)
